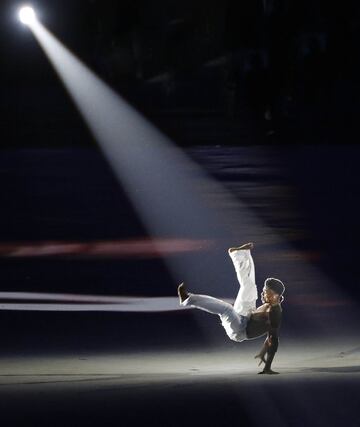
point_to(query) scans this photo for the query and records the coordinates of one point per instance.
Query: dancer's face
(269, 296)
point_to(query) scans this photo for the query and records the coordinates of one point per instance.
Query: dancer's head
(273, 291)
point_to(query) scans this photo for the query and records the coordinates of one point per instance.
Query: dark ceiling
(270, 64)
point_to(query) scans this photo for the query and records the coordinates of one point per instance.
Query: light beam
(173, 196)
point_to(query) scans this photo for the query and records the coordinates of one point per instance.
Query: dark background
(204, 71)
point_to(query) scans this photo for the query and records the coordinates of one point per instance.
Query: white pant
(233, 318)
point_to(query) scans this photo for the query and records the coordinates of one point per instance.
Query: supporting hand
(268, 371)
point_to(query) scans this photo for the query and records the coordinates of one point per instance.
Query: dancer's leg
(207, 303)
(233, 323)
(245, 270)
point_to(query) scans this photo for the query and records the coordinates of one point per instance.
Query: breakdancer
(243, 321)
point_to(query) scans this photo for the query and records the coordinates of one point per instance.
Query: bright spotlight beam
(27, 15)
(173, 196)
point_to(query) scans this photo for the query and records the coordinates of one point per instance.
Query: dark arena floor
(317, 385)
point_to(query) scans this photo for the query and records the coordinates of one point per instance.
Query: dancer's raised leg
(245, 270)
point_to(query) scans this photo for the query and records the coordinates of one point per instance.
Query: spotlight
(27, 15)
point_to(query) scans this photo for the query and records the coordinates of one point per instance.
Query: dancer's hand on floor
(268, 372)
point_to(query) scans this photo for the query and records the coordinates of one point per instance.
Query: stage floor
(317, 385)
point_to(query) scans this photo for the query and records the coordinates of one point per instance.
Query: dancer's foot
(268, 371)
(182, 292)
(249, 245)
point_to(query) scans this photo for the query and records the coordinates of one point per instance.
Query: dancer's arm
(271, 343)
(263, 351)
(271, 348)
